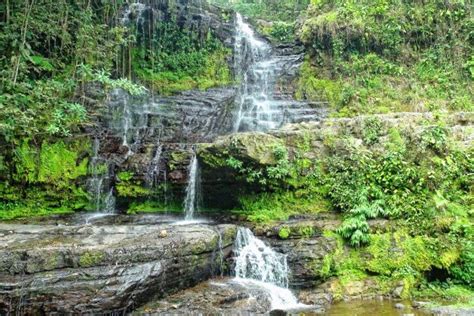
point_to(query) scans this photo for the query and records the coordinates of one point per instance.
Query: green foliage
(399, 254)
(128, 187)
(181, 60)
(284, 233)
(59, 163)
(435, 138)
(268, 207)
(38, 110)
(272, 175)
(463, 270)
(153, 207)
(455, 294)
(275, 19)
(44, 179)
(279, 31)
(372, 129)
(388, 56)
(283, 10)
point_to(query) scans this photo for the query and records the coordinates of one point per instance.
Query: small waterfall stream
(98, 184)
(192, 189)
(153, 171)
(258, 265)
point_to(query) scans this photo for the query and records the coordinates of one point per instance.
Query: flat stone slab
(85, 268)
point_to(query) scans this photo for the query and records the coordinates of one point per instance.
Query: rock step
(103, 269)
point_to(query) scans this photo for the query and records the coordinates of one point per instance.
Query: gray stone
(399, 306)
(103, 269)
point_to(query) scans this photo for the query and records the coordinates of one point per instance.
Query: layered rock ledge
(103, 269)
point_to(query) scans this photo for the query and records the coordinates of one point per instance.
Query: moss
(47, 179)
(179, 156)
(213, 160)
(91, 258)
(54, 163)
(28, 209)
(25, 162)
(277, 206)
(312, 88)
(391, 253)
(59, 162)
(284, 233)
(127, 189)
(125, 176)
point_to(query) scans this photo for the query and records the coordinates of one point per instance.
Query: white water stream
(99, 184)
(192, 189)
(259, 266)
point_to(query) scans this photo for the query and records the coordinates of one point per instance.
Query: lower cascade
(259, 266)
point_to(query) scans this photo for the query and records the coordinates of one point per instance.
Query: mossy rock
(91, 258)
(253, 147)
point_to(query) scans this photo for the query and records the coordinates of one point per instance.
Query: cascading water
(154, 167)
(255, 260)
(192, 189)
(259, 266)
(251, 57)
(99, 183)
(259, 108)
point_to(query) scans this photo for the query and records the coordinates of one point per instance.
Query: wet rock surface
(102, 268)
(223, 296)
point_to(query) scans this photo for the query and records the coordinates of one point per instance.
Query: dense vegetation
(51, 52)
(384, 56)
(363, 57)
(369, 57)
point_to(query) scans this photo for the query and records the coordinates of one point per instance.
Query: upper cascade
(258, 68)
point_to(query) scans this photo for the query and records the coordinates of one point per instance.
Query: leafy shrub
(464, 269)
(284, 233)
(372, 129)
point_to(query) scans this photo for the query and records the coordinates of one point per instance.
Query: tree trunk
(7, 17)
(28, 9)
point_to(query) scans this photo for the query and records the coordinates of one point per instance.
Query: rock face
(150, 138)
(103, 269)
(216, 297)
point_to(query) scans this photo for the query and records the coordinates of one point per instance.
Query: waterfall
(99, 183)
(258, 68)
(258, 265)
(257, 72)
(257, 261)
(192, 189)
(153, 171)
